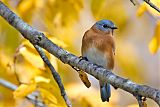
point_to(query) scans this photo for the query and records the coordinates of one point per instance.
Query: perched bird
(98, 47)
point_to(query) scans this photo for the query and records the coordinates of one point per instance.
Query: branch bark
(55, 75)
(38, 38)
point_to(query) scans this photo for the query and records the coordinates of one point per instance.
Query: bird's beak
(114, 27)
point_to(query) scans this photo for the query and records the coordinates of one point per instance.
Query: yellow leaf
(30, 50)
(104, 9)
(85, 103)
(133, 105)
(26, 8)
(55, 40)
(155, 42)
(83, 76)
(32, 58)
(29, 46)
(25, 5)
(25, 70)
(24, 89)
(38, 79)
(142, 8)
(47, 96)
(5, 63)
(153, 45)
(145, 7)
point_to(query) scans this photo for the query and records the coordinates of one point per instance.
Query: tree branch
(150, 4)
(32, 97)
(55, 75)
(140, 100)
(38, 38)
(133, 2)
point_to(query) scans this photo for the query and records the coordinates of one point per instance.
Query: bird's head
(106, 26)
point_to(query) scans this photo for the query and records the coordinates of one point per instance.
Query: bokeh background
(65, 22)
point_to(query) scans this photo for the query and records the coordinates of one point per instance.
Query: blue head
(105, 25)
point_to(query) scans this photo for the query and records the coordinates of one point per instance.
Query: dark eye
(105, 26)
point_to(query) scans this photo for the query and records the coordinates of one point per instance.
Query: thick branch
(55, 75)
(39, 39)
(32, 97)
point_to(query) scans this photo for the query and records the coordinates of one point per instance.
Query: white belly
(95, 56)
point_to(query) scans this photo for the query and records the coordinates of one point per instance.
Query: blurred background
(64, 22)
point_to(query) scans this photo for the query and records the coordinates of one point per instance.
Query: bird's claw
(75, 68)
(81, 58)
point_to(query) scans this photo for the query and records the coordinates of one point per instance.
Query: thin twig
(152, 5)
(55, 75)
(149, 3)
(139, 100)
(38, 38)
(133, 2)
(32, 97)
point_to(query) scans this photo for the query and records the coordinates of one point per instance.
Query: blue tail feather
(105, 92)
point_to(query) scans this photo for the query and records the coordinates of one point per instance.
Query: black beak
(114, 27)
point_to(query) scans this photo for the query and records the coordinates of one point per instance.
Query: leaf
(32, 58)
(69, 9)
(155, 42)
(55, 40)
(26, 8)
(38, 79)
(104, 9)
(7, 40)
(83, 76)
(28, 52)
(153, 45)
(85, 103)
(28, 63)
(133, 105)
(144, 7)
(23, 90)
(47, 97)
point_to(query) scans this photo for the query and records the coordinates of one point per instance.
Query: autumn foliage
(64, 22)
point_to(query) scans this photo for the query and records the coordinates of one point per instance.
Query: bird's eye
(105, 26)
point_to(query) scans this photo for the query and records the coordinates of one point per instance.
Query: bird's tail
(105, 91)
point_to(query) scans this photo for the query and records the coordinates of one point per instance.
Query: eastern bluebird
(98, 47)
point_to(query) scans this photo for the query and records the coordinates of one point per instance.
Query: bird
(98, 47)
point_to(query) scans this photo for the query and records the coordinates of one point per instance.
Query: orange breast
(99, 48)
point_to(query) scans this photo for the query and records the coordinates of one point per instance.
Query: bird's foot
(75, 68)
(141, 100)
(115, 87)
(81, 58)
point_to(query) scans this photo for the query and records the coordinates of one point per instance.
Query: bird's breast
(96, 56)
